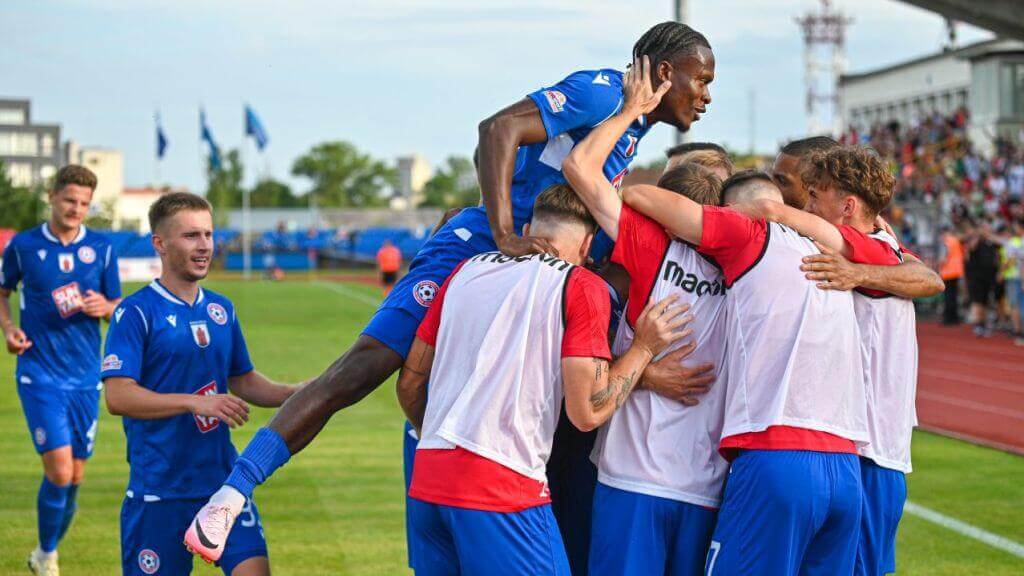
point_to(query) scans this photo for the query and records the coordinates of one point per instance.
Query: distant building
(133, 206)
(108, 165)
(986, 77)
(413, 173)
(31, 153)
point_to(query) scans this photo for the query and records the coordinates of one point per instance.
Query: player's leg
(773, 503)
(693, 528)
(885, 492)
(507, 544)
(629, 534)
(430, 536)
(833, 549)
(83, 416)
(409, 443)
(151, 535)
(572, 478)
(245, 553)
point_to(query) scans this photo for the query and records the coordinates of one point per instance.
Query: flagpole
(246, 224)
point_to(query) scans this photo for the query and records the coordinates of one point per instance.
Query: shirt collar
(167, 295)
(49, 235)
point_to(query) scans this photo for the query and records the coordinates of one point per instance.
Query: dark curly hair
(856, 170)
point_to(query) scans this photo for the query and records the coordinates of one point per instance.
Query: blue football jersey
(171, 347)
(570, 110)
(54, 278)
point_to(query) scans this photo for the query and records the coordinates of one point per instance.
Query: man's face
(690, 94)
(70, 205)
(827, 203)
(786, 174)
(185, 241)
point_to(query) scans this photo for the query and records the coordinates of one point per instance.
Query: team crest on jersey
(631, 147)
(217, 313)
(207, 423)
(617, 181)
(86, 254)
(200, 333)
(40, 436)
(111, 362)
(68, 299)
(149, 561)
(556, 100)
(66, 261)
(424, 292)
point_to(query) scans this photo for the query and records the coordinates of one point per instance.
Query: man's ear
(526, 229)
(663, 72)
(158, 244)
(585, 247)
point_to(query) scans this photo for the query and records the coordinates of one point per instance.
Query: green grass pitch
(337, 508)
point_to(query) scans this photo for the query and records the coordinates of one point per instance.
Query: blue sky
(392, 76)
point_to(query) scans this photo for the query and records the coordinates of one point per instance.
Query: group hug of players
(753, 409)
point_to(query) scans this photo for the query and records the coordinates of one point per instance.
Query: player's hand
(230, 409)
(95, 305)
(513, 245)
(661, 324)
(640, 97)
(670, 378)
(831, 270)
(17, 342)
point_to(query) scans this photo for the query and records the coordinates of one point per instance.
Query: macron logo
(601, 79)
(173, 320)
(118, 314)
(41, 254)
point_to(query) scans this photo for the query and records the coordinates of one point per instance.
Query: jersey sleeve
(126, 343)
(639, 248)
(867, 250)
(583, 99)
(431, 323)
(111, 279)
(734, 241)
(240, 361)
(587, 316)
(10, 272)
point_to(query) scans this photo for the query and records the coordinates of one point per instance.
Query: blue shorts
(152, 536)
(461, 542)
(639, 534)
(462, 237)
(409, 443)
(572, 478)
(58, 418)
(885, 492)
(788, 512)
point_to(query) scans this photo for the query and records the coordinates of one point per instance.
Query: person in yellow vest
(1012, 256)
(951, 270)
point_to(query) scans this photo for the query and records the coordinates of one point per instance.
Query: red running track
(969, 387)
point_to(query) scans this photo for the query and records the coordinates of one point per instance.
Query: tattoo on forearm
(626, 385)
(600, 398)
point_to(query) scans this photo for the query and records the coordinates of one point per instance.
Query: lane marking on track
(350, 293)
(971, 405)
(985, 383)
(968, 360)
(965, 529)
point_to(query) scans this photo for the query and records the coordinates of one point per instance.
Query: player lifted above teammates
(661, 475)
(173, 352)
(506, 338)
(68, 278)
(521, 150)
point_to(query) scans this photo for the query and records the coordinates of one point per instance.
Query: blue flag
(254, 128)
(161, 139)
(206, 135)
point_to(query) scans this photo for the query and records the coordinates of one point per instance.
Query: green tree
(224, 186)
(20, 208)
(270, 193)
(453, 185)
(343, 176)
(102, 215)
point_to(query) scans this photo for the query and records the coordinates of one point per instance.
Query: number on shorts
(248, 519)
(712, 556)
(91, 435)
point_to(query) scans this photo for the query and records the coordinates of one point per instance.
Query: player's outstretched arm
(256, 388)
(911, 279)
(593, 390)
(584, 167)
(500, 138)
(805, 223)
(125, 397)
(681, 216)
(412, 382)
(15, 338)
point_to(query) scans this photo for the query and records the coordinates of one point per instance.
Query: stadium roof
(1004, 17)
(969, 51)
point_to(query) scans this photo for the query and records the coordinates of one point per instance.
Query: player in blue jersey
(173, 352)
(520, 152)
(68, 278)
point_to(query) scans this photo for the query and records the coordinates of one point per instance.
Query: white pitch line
(344, 291)
(965, 529)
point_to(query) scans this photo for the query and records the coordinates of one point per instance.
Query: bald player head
(790, 163)
(749, 185)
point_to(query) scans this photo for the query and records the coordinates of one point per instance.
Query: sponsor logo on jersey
(617, 181)
(149, 561)
(207, 423)
(424, 292)
(111, 362)
(40, 435)
(217, 313)
(631, 146)
(200, 333)
(556, 100)
(86, 254)
(66, 261)
(68, 299)
(172, 319)
(689, 282)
